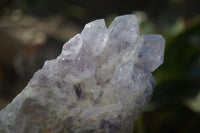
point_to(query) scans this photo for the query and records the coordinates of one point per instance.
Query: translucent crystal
(99, 83)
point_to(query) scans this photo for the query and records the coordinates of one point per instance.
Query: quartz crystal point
(99, 83)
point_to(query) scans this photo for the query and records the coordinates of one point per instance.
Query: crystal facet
(99, 83)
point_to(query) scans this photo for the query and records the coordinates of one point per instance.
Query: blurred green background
(32, 31)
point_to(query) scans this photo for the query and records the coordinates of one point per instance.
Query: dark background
(32, 31)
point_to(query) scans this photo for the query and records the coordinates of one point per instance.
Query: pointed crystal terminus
(99, 83)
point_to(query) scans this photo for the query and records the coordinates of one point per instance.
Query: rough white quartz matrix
(99, 83)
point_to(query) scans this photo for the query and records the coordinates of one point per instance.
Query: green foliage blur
(175, 105)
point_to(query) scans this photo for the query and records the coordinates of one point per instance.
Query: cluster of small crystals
(99, 83)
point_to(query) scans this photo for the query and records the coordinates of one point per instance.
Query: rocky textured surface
(99, 83)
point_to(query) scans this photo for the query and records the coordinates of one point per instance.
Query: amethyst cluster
(99, 83)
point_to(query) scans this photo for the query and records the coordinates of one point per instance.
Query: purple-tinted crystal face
(152, 51)
(95, 44)
(71, 48)
(100, 82)
(123, 31)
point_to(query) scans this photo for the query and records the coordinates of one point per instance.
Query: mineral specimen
(99, 83)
